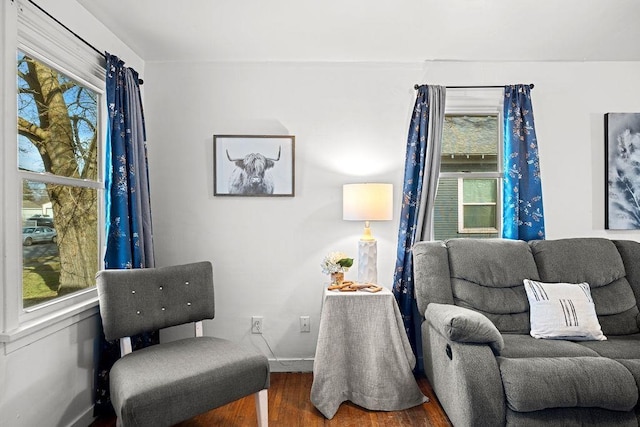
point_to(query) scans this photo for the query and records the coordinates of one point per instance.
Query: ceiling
(375, 30)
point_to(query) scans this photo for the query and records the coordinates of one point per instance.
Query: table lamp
(367, 202)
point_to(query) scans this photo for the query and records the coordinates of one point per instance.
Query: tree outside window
(58, 151)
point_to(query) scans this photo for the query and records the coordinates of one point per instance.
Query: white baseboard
(291, 365)
(84, 419)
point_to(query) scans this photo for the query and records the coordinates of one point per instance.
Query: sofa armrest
(459, 348)
(462, 325)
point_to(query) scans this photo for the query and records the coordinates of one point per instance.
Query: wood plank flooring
(289, 406)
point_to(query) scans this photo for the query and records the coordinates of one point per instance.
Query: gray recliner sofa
(484, 366)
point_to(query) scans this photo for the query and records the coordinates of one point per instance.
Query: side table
(363, 354)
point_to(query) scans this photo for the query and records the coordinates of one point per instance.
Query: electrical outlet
(256, 324)
(305, 324)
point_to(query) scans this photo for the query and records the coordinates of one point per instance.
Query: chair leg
(262, 408)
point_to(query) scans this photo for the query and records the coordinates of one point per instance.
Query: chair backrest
(146, 299)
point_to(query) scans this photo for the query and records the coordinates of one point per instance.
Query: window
(58, 162)
(468, 200)
(477, 202)
(52, 173)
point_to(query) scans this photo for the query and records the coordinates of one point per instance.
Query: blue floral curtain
(523, 214)
(422, 167)
(127, 204)
(128, 207)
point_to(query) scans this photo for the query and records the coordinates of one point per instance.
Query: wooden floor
(289, 406)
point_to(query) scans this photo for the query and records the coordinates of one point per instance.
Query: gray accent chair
(484, 366)
(166, 383)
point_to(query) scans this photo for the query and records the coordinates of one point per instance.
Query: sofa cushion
(572, 417)
(617, 347)
(523, 346)
(630, 252)
(487, 275)
(597, 262)
(633, 365)
(533, 384)
(562, 311)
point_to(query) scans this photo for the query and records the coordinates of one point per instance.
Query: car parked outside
(45, 220)
(32, 235)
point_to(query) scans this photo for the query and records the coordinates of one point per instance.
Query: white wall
(350, 121)
(50, 382)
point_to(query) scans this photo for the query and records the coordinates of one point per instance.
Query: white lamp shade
(367, 202)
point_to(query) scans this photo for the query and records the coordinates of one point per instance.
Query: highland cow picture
(253, 165)
(622, 163)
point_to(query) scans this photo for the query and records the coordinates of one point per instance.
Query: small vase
(337, 278)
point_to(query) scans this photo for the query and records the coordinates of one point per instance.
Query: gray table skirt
(363, 355)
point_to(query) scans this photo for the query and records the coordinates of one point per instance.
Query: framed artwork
(254, 165)
(622, 168)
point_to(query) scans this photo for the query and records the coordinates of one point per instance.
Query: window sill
(32, 331)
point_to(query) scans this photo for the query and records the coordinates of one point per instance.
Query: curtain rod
(416, 86)
(76, 35)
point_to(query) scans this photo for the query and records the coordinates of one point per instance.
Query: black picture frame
(622, 173)
(254, 165)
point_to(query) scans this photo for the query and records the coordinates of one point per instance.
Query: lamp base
(368, 261)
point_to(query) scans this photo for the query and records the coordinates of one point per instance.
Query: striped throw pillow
(562, 311)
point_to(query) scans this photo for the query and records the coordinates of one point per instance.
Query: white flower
(336, 262)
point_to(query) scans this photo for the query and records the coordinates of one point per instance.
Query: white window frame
(473, 102)
(27, 29)
(461, 206)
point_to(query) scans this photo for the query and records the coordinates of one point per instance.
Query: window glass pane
(479, 216)
(57, 122)
(480, 191)
(470, 143)
(60, 240)
(57, 135)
